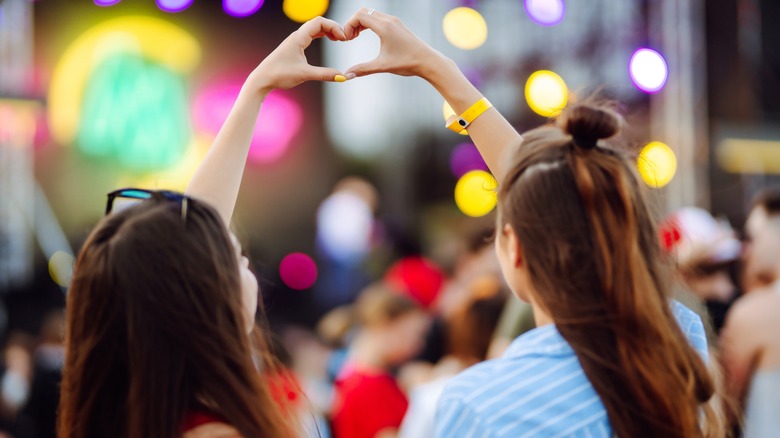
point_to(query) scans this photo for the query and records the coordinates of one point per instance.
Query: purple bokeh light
(473, 75)
(465, 158)
(173, 5)
(104, 3)
(241, 8)
(545, 12)
(298, 271)
(648, 70)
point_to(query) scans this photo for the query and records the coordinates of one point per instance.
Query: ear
(515, 250)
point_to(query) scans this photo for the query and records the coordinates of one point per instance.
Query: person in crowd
(611, 354)
(759, 269)
(38, 418)
(469, 331)
(16, 375)
(705, 251)
(368, 401)
(162, 302)
(750, 346)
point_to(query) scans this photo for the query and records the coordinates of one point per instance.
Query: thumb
(364, 69)
(325, 74)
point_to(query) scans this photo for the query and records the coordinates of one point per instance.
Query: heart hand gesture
(287, 66)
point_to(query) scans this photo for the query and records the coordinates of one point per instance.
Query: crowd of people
(584, 317)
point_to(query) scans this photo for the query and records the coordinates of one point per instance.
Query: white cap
(694, 237)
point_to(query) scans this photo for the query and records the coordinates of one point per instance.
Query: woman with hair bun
(612, 354)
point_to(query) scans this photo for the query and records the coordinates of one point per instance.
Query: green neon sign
(134, 111)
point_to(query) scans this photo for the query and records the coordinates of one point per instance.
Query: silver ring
(371, 11)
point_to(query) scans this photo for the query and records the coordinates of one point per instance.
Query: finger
(361, 20)
(364, 69)
(325, 74)
(330, 37)
(318, 27)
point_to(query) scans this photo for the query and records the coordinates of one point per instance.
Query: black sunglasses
(123, 198)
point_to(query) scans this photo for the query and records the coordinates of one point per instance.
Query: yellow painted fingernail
(340, 78)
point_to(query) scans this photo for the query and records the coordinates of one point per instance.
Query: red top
(366, 402)
(195, 419)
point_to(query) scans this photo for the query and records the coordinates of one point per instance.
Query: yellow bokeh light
(657, 164)
(465, 28)
(304, 10)
(156, 40)
(449, 112)
(546, 93)
(178, 177)
(475, 193)
(61, 267)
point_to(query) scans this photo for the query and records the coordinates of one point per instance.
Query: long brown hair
(589, 243)
(156, 330)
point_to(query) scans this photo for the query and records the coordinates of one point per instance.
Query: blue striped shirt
(537, 389)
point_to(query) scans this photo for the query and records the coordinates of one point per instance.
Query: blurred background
(347, 184)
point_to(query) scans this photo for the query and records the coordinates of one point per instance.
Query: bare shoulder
(757, 307)
(213, 430)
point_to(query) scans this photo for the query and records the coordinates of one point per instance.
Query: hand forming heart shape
(401, 52)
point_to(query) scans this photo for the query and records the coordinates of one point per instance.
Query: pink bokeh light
(298, 271)
(281, 118)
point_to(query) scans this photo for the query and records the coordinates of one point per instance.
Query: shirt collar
(541, 341)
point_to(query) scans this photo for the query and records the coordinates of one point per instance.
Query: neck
(541, 317)
(366, 352)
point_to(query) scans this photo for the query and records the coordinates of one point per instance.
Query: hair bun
(587, 124)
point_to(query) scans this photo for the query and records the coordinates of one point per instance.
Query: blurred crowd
(377, 367)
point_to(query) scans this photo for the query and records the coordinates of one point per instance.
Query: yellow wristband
(470, 115)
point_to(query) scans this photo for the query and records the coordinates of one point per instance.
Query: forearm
(218, 178)
(491, 132)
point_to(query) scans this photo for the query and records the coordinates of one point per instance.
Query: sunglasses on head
(120, 199)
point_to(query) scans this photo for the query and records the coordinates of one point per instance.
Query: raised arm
(218, 177)
(402, 53)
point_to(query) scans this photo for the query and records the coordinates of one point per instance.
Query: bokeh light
(61, 267)
(154, 41)
(241, 8)
(106, 2)
(298, 271)
(648, 70)
(418, 277)
(344, 226)
(657, 164)
(465, 158)
(178, 177)
(136, 112)
(546, 93)
(448, 112)
(173, 5)
(475, 193)
(465, 28)
(304, 10)
(545, 12)
(280, 119)
(18, 124)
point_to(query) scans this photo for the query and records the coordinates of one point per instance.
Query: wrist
(437, 69)
(258, 84)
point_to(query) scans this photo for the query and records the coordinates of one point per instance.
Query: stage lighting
(657, 164)
(475, 193)
(546, 93)
(465, 28)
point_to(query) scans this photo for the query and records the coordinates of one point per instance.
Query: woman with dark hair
(611, 354)
(162, 303)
